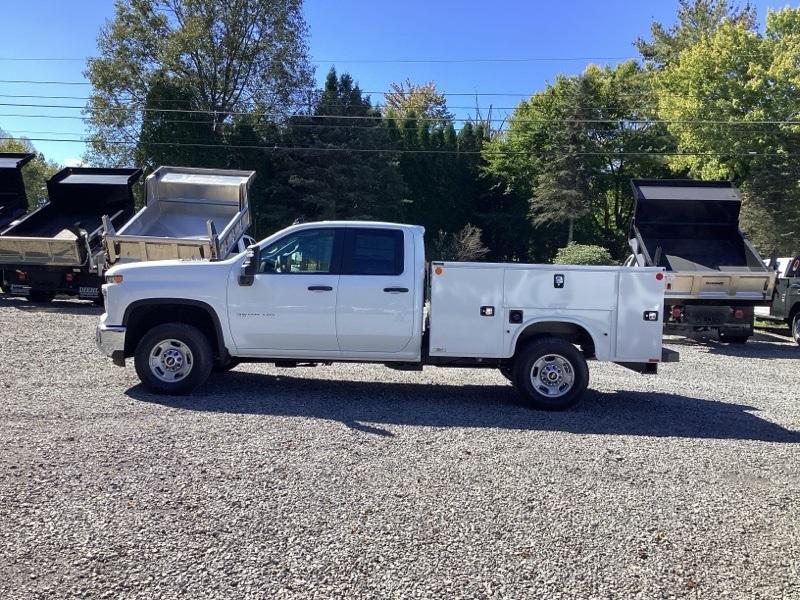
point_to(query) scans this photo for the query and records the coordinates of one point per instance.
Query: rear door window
(373, 252)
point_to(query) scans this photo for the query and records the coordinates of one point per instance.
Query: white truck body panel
(608, 302)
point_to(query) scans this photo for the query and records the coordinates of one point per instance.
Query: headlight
(113, 278)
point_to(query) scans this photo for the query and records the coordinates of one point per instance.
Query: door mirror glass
(249, 268)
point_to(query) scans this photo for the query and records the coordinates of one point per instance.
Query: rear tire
(40, 297)
(173, 358)
(734, 339)
(551, 374)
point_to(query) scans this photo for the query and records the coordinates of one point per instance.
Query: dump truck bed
(188, 213)
(13, 200)
(691, 228)
(65, 232)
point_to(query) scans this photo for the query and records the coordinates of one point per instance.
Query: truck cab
(785, 306)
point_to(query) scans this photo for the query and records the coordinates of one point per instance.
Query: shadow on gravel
(365, 406)
(70, 307)
(763, 345)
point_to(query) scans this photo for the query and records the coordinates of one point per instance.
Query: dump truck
(715, 277)
(13, 200)
(57, 248)
(189, 213)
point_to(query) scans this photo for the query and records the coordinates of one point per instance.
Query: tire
(796, 327)
(734, 339)
(181, 359)
(554, 356)
(40, 297)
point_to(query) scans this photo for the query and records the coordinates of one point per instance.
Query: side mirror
(247, 273)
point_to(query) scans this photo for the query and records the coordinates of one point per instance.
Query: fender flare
(207, 308)
(570, 320)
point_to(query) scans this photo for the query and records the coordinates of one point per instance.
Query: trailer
(13, 200)
(57, 248)
(715, 277)
(189, 213)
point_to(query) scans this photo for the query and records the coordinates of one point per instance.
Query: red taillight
(21, 275)
(69, 277)
(677, 312)
(738, 313)
(659, 276)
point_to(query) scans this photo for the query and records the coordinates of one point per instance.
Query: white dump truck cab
(326, 292)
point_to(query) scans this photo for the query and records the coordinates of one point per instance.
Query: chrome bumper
(110, 341)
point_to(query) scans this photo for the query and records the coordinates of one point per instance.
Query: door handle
(320, 288)
(396, 290)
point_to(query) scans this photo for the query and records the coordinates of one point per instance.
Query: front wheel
(173, 358)
(551, 373)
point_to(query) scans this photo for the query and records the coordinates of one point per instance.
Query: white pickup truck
(317, 293)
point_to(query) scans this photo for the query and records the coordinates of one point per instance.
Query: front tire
(551, 373)
(173, 358)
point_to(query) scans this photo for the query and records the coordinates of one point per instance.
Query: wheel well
(139, 319)
(571, 332)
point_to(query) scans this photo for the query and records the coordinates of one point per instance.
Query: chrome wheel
(552, 375)
(171, 361)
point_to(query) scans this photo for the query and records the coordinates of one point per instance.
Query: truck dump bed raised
(13, 200)
(65, 232)
(692, 229)
(188, 213)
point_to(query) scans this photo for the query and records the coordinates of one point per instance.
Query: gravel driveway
(360, 481)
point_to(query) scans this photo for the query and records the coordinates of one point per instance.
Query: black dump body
(57, 248)
(687, 225)
(13, 200)
(78, 199)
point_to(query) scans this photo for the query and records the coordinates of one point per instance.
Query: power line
(378, 118)
(405, 151)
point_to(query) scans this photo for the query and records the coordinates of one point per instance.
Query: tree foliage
(583, 254)
(697, 19)
(729, 98)
(234, 56)
(423, 100)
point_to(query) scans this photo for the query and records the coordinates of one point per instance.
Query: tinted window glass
(309, 251)
(374, 252)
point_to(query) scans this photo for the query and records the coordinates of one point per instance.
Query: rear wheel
(551, 373)
(173, 358)
(40, 297)
(734, 339)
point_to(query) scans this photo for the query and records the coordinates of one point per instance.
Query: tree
(463, 245)
(697, 19)
(423, 100)
(229, 57)
(571, 151)
(36, 173)
(732, 103)
(337, 167)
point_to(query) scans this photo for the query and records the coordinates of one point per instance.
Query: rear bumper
(110, 341)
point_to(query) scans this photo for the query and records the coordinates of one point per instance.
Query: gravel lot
(360, 481)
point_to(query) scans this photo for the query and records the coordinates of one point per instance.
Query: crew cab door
(291, 305)
(375, 304)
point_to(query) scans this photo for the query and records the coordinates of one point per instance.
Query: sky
(376, 42)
